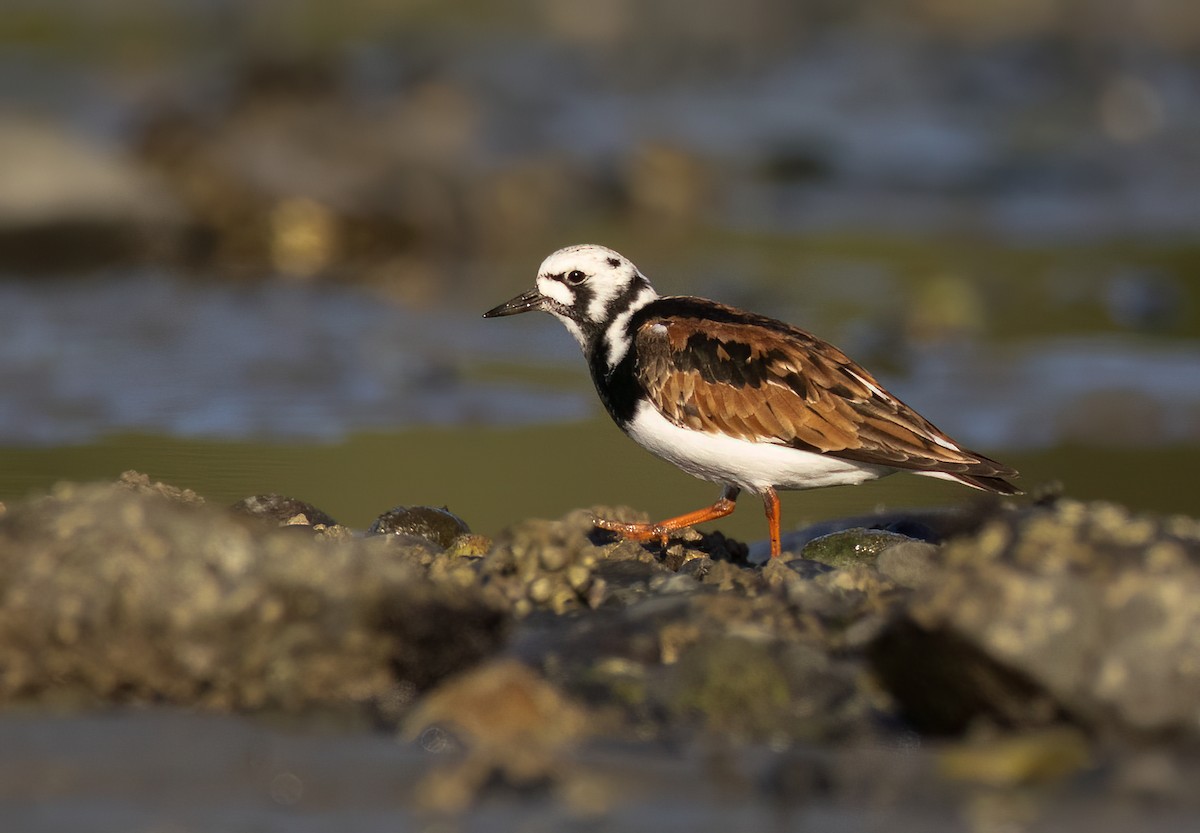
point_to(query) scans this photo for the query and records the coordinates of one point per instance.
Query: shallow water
(156, 354)
(169, 771)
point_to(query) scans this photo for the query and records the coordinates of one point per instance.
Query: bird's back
(713, 368)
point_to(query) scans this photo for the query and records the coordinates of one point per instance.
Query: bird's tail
(988, 484)
(983, 482)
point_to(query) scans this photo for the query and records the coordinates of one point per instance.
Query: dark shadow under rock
(943, 683)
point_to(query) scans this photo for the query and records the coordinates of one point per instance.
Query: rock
(720, 649)
(1078, 609)
(500, 705)
(851, 546)
(440, 526)
(554, 565)
(802, 568)
(514, 724)
(470, 545)
(753, 689)
(284, 511)
(118, 594)
(908, 564)
(714, 647)
(141, 483)
(932, 525)
(1014, 760)
(69, 202)
(1152, 774)
(51, 174)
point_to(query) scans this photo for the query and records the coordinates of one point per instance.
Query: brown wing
(725, 371)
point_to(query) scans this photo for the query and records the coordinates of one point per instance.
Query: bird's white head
(588, 288)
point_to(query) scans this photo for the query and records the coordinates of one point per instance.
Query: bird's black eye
(576, 277)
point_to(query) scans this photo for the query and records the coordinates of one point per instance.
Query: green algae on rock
(851, 546)
(438, 525)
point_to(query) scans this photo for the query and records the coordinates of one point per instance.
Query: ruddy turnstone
(733, 397)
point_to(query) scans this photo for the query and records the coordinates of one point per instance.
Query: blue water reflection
(152, 353)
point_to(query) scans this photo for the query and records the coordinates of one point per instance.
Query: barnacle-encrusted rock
(110, 593)
(549, 565)
(142, 484)
(1079, 609)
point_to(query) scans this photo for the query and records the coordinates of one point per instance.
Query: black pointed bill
(524, 302)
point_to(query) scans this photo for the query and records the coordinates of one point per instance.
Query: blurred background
(244, 246)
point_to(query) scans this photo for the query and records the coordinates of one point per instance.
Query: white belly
(754, 467)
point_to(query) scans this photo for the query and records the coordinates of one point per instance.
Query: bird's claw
(641, 532)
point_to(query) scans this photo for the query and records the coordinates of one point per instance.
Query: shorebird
(736, 398)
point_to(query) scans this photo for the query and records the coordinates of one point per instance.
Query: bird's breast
(617, 387)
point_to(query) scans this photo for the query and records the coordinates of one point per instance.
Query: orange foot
(640, 532)
(662, 530)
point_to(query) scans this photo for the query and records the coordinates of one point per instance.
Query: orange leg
(771, 504)
(663, 529)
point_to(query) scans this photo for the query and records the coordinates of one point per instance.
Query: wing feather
(724, 371)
